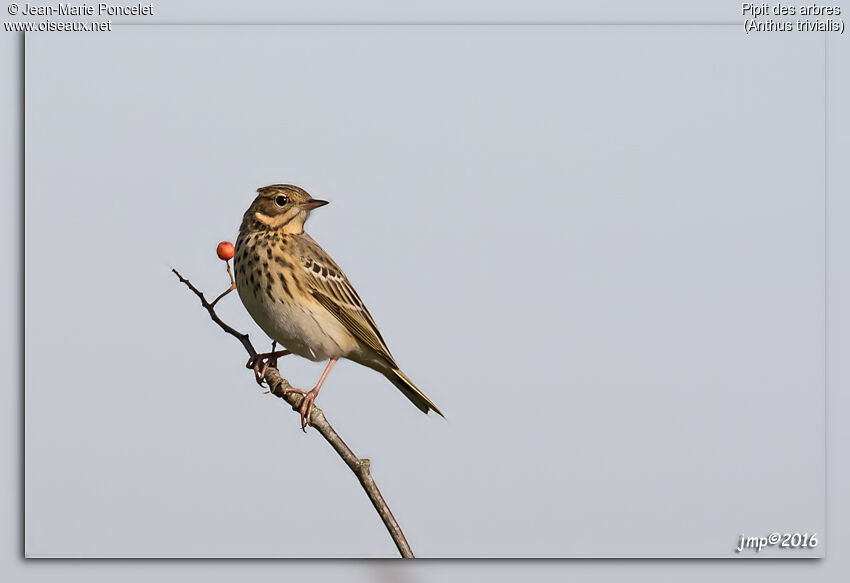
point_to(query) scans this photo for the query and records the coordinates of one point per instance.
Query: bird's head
(281, 207)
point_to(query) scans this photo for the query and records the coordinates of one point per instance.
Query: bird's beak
(313, 204)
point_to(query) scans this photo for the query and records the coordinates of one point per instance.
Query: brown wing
(330, 287)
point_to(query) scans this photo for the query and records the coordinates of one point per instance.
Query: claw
(306, 408)
(254, 364)
(306, 405)
(265, 360)
(307, 402)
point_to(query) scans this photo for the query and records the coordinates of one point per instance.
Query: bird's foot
(306, 407)
(260, 363)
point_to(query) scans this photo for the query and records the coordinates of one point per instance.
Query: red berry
(224, 250)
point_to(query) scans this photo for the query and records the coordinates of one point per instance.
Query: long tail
(406, 386)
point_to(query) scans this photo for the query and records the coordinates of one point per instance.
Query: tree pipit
(301, 298)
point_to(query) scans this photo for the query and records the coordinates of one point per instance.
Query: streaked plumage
(300, 297)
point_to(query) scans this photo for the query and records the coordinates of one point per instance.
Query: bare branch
(243, 338)
(277, 386)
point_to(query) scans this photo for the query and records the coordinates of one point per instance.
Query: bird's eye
(281, 200)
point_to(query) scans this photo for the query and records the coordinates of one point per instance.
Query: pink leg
(310, 396)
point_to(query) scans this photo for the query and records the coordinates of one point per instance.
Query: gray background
(836, 334)
(591, 264)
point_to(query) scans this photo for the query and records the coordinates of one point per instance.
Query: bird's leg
(310, 396)
(264, 360)
(228, 290)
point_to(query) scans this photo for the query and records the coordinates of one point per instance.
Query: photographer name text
(99, 9)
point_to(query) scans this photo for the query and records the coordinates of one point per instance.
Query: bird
(300, 297)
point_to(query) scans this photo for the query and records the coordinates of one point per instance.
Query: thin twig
(277, 386)
(243, 338)
(228, 290)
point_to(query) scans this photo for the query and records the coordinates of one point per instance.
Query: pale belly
(306, 329)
